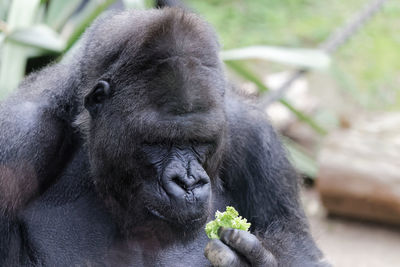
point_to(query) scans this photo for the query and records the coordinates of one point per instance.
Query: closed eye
(202, 151)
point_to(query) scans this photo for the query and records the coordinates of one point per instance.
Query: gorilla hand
(238, 248)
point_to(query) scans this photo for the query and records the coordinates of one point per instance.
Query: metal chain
(330, 45)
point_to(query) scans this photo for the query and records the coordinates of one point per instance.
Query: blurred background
(327, 74)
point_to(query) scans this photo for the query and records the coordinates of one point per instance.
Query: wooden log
(359, 170)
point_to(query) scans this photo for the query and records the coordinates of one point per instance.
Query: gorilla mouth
(174, 221)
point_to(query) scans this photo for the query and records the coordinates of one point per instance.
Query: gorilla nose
(188, 183)
(180, 184)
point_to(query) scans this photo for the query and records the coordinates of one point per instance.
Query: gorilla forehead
(133, 39)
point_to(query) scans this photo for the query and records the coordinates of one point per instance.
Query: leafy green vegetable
(230, 219)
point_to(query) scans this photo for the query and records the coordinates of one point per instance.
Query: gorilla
(120, 154)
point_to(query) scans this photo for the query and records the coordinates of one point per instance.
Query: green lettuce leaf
(229, 219)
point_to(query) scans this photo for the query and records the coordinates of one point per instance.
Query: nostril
(199, 183)
(178, 180)
(202, 182)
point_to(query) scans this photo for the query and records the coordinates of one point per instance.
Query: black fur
(119, 155)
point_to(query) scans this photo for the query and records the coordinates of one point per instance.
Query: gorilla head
(154, 115)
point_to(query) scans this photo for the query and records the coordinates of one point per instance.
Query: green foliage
(13, 55)
(369, 63)
(59, 11)
(229, 219)
(32, 28)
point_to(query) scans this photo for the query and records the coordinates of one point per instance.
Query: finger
(220, 255)
(247, 245)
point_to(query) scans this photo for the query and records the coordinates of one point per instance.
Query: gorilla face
(164, 164)
(161, 100)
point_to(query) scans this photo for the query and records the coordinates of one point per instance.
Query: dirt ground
(348, 243)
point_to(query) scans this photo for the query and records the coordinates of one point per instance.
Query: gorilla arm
(263, 187)
(35, 137)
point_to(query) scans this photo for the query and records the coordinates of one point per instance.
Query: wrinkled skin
(119, 155)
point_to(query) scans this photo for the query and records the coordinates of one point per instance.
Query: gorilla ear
(95, 98)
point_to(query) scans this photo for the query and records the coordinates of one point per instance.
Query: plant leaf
(40, 36)
(4, 4)
(22, 13)
(59, 11)
(13, 55)
(306, 58)
(138, 4)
